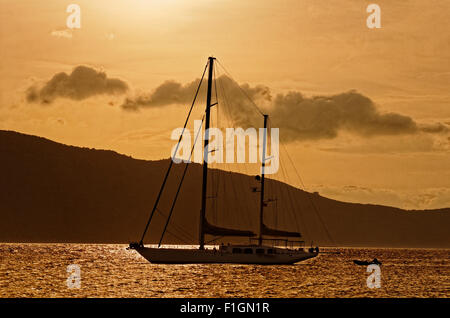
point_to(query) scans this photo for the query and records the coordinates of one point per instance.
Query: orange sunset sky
(396, 79)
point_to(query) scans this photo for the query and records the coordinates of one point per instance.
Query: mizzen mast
(263, 164)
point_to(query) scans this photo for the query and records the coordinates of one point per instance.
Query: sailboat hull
(196, 256)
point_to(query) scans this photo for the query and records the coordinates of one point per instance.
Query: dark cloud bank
(300, 117)
(82, 83)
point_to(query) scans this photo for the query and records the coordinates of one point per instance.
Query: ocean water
(40, 270)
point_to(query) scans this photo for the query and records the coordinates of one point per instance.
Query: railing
(285, 242)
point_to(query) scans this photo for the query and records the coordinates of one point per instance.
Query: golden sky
(309, 47)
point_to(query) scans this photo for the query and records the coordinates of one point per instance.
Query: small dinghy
(365, 263)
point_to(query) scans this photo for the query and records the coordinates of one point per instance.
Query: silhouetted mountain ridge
(50, 192)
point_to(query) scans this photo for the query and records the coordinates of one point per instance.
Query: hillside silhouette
(50, 192)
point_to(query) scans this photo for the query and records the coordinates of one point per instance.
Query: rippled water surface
(40, 270)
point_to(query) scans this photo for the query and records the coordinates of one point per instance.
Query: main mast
(263, 164)
(205, 154)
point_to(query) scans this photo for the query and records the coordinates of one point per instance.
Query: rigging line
(216, 93)
(227, 211)
(181, 182)
(228, 165)
(227, 109)
(214, 239)
(316, 210)
(217, 123)
(217, 172)
(309, 197)
(296, 203)
(187, 236)
(226, 105)
(289, 190)
(289, 194)
(245, 93)
(292, 196)
(285, 175)
(257, 109)
(141, 242)
(177, 237)
(231, 175)
(274, 185)
(218, 186)
(213, 171)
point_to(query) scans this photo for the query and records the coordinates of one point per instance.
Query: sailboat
(252, 253)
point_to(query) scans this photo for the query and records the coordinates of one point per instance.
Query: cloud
(172, 92)
(298, 117)
(82, 83)
(435, 128)
(322, 117)
(417, 143)
(427, 198)
(62, 33)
